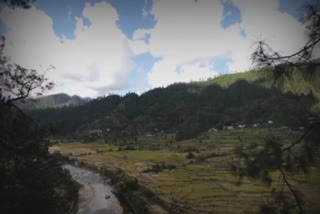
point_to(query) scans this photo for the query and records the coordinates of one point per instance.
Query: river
(96, 196)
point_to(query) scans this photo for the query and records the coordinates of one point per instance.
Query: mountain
(52, 101)
(296, 85)
(187, 109)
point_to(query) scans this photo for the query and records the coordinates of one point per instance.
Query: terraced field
(205, 182)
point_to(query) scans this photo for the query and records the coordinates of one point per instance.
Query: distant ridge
(296, 85)
(53, 101)
(188, 109)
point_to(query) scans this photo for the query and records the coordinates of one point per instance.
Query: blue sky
(145, 44)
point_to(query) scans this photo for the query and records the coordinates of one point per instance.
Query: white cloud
(189, 31)
(263, 20)
(193, 71)
(187, 37)
(98, 60)
(138, 44)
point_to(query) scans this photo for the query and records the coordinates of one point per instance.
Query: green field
(205, 181)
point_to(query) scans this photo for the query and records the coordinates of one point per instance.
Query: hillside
(53, 101)
(296, 85)
(186, 109)
(205, 181)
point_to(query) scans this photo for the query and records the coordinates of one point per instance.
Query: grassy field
(204, 181)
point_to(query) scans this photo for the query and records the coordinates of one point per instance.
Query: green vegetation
(185, 109)
(225, 80)
(31, 179)
(180, 144)
(296, 85)
(52, 101)
(204, 183)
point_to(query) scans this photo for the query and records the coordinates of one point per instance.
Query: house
(228, 127)
(256, 125)
(241, 126)
(96, 132)
(283, 127)
(107, 131)
(212, 130)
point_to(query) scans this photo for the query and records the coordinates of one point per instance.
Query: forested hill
(53, 101)
(185, 108)
(296, 85)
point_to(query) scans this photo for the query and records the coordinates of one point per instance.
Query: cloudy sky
(116, 46)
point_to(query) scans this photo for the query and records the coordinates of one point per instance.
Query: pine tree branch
(293, 191)
(311, 127)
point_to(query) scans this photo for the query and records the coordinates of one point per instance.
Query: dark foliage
(25, 4)
(31, 179)
(159, 167)
(276, 154)
(181, 108)
(279, 67)
(17, 82)
(190, 155)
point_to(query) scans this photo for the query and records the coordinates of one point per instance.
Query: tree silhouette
(276, 154)
(25, 4)
(281, 67)
(31, 179)
(16, 82)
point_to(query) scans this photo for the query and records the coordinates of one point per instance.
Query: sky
(120, 46)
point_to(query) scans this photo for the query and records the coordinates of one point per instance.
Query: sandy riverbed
(95, 197)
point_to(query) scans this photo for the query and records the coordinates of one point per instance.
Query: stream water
(96, 196)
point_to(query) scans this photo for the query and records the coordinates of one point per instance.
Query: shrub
(190, 155)
(159, 167)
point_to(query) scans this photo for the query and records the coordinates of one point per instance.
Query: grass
(296, 85)
(208, 183)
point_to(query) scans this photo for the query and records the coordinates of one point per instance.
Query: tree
(281, 67)
(26, 4)
(275, 154)
(31, 179)
(179, 202)
(16, 82)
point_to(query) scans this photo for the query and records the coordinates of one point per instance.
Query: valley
(202, 183)
(160, 107)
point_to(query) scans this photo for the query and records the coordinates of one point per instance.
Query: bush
(159, 167)
(32, 179)
(190, 155)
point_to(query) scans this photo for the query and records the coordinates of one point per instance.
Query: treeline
(51, 101)
(32, 179)
(186, 109)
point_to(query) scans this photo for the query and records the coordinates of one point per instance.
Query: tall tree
(17, 82)
(31, 179)
(305, 61)
(276, 154)
(26, 4)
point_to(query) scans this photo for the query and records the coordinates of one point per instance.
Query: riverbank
(202, 184)
(96, 195)
(132, 196)
(86, 195)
